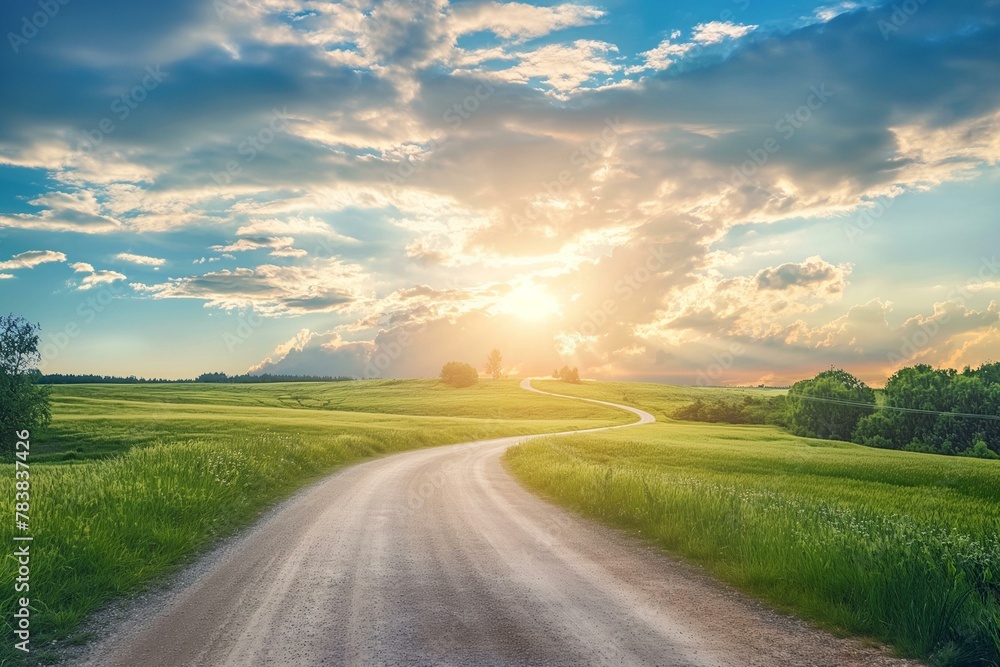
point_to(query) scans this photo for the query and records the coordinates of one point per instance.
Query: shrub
(459, 374)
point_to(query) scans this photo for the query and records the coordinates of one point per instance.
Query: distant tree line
(921, 409)
(748, 410)
(64, 378)
(264, 378)
(219, 378)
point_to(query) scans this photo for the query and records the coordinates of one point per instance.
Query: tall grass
(901, 547)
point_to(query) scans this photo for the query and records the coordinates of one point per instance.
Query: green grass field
(896, 546)
(131, 481)
(661, 400)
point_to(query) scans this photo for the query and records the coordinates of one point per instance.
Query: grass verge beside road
(900, 547)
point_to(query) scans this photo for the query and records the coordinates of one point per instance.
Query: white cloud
(95, 277)
(141, 260)
(367, 94)
(100, 278)
(294, 225)
(31, 259)
(325, 286)
(564, 67)
(519, 21)
(289, 252)
(669, 51)
(664, 55)
(64, 212)
(714, 32)
(255, 243)
(756, 305)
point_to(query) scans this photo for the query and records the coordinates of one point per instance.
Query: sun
(529, 302)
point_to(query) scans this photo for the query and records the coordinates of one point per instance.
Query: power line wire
(839, 401)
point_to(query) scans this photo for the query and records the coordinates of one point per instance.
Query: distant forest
(921, 409)
(216, 378)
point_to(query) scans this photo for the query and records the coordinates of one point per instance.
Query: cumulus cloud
(141, 260)
(717, 31)
(564, 67)
(31, 259)
(756, 306)
(315, 354)
(64, 212)
(307, 225)
(327, 286)
(520, 21)
(280, 246)
(94, 277)
(393, 163)
(813, 274)
(669, 51)
(255, 243)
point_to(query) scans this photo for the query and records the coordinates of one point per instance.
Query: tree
(494, 367)
(567, 374)
(829, 405)
(919, 402)
(24, 405)
(459, 374)
(212, 377)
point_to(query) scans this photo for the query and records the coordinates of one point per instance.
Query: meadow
(130, 482)
(900, 547)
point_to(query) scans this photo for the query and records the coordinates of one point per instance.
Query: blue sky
(727, 192)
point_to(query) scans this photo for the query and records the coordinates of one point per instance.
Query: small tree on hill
(494, 364)
(459, 374)
(24, 405)
(567, 374)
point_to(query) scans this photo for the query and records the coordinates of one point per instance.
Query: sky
(721, 192)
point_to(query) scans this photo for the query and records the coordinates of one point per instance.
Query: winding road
(438, 557)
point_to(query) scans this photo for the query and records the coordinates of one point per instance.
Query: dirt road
(438, 557)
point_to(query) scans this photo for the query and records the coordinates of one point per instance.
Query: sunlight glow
(529, 302)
